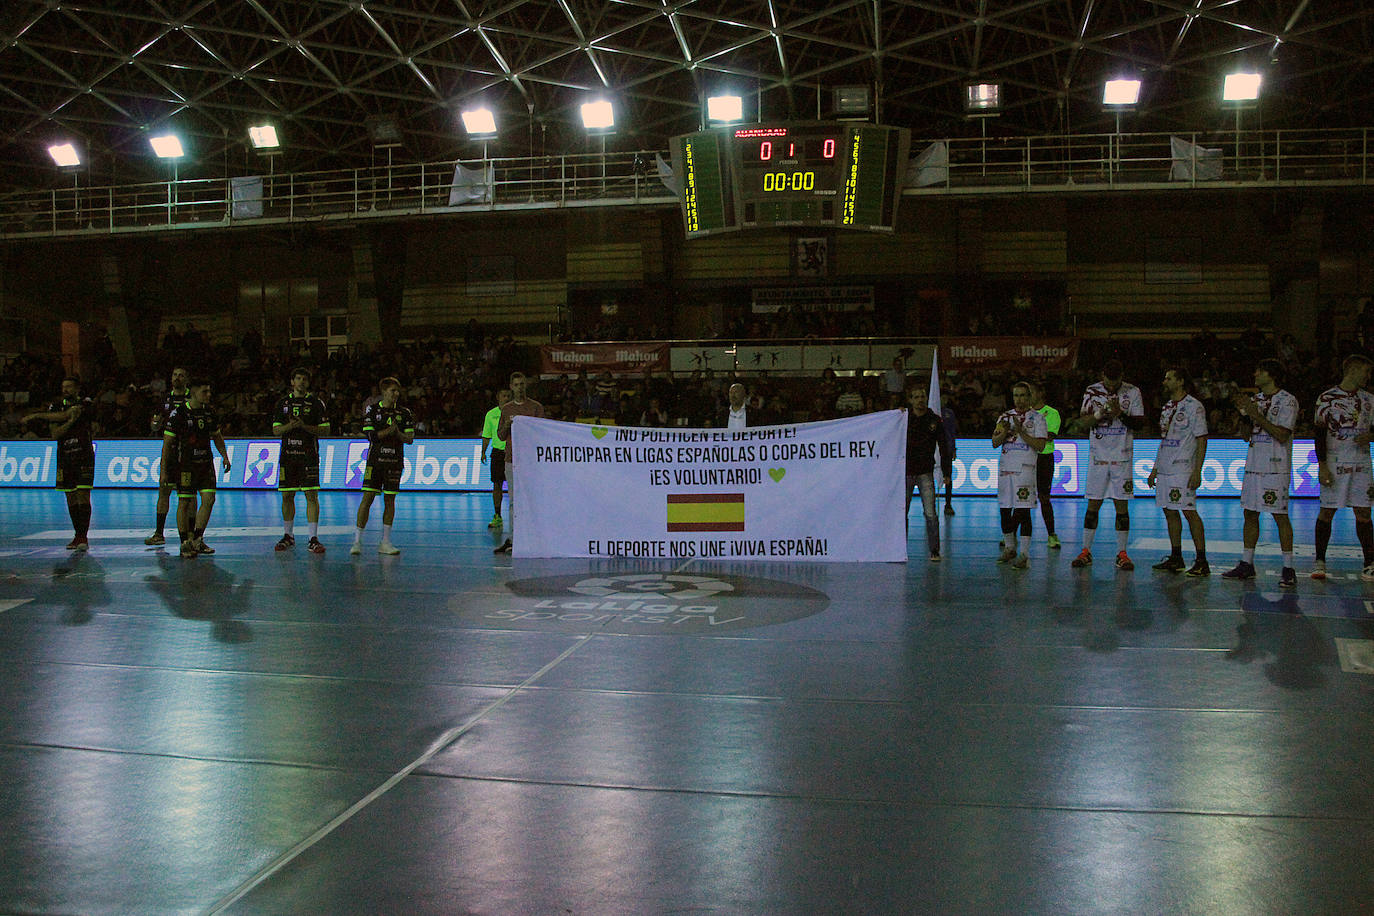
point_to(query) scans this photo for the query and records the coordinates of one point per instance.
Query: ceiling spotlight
(598, 115)
(852, 100)
(981, 99)
(167, 146)
(1122, 92)
(264, 137)
(1241, 87)
(479, 122)
(65, 155)
(725, 108)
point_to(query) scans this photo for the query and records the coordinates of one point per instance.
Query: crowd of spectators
(450, 384)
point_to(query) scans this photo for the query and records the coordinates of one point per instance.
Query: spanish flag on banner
(706, 512)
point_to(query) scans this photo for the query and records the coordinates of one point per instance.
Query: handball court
(449, 731)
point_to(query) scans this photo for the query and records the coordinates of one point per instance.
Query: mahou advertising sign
(612, 357)
(1008, 352)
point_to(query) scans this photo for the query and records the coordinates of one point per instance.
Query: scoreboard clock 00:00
(839, 174)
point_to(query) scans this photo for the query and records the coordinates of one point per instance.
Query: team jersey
(194, 430)
(489, 425)
(377, 418)
(1112, 440)
(76, 441)
(172, 402)
(1016, 454)
(1345, 415)
(1053, 422)
(1181, 422)
(310, 410)
(1265, 456)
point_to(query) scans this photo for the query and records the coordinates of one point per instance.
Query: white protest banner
(830, 491)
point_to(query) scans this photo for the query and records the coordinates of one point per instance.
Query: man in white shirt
(1178, 470)
(1020, 434)
(737, 415)
(1272, 414)
(1343, 418)
(1116, 410)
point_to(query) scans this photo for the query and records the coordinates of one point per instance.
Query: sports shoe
(1007, 555)
(1021, 562)
(77, 543)
(495, 522)
(155, 540)
(315, 546)
(1171, 563)
(286, 542)
(188, 550)
(202, 547)
(386, 548)
(1084, 558)
(1319, 570)
(1054, 542)
(1367, 574)
(1288, 578)
(1123, 562)
(1241, 570)
(506, 547)
(949, 510)
(357, 548)
(1199, 569)
(935, 556)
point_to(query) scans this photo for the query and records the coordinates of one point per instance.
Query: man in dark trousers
(70, 422)
(924, 432)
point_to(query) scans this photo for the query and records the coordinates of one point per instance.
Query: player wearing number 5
(1343, 417)
(1020, 434)
(1178, 470)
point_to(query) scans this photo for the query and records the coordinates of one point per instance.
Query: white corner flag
(934, 395)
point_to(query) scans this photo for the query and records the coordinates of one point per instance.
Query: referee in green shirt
(498, 455)
(1044, 462)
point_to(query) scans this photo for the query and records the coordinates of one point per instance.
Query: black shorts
(75, 472)
(382, 477)
(170, 473)
(298, 472)
(195, 479)
(498, 465)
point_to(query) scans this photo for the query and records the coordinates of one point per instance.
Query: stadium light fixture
(598, 115)
(167, 146)
(1241, 87)
(724, 109)
(65, 155)
(264, 137)
(480, 123)
(1121, 93)
(982, 99)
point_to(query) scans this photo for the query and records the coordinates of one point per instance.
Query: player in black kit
(300, 420)
(70, 422)
(167, 478)
(191, 429)
(389, 428)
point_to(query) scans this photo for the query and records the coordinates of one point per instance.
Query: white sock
(314, 529)
(357, 535)
(1288, 559)
(1023, 543)
(386, 534)
(1121, 538)
(1088, 535)
(290, 526)
(1247, 555)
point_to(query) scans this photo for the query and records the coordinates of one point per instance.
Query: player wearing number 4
(1020, 434)
(1178, 470)
(1272, 413)
(1345, 412)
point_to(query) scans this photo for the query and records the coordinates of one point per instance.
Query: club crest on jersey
(1023, 492)
(1270, 497)
(1175, 495)
(1128, 487)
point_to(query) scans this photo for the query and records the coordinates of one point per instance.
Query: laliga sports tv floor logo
(645, 603)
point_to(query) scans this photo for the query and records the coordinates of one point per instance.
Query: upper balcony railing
(962, 166)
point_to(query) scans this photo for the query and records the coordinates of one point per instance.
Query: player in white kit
(1178, 470)
(1272, 413)
(1116, 410)
(1020, 434)
(1343, 418)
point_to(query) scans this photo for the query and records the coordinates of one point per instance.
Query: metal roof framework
(110, 73)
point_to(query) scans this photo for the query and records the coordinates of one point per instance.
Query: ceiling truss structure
(110, 73)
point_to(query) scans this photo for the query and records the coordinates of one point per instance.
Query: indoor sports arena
(652, 458)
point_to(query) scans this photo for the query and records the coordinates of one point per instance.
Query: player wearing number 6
(1020, 434)
(1178, 470)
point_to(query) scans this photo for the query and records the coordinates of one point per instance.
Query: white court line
(8, 604)
(1263, 549)
(249, 531)
(439, 744)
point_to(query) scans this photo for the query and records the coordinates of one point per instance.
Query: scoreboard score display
(840, 174)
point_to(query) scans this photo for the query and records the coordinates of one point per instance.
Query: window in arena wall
(319, 332)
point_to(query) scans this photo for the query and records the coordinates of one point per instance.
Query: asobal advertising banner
(455, 465)
(772, 492)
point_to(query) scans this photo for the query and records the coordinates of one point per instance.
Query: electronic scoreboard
(816, 173)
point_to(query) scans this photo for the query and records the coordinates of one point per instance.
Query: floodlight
(852, 100)
(479, 122)
(264, 137)
(1122, 92)
(982, 98)
(598, 115)
(65, 155)
(384, 131)
(167, 146)
(1241, 87)
(725, 108)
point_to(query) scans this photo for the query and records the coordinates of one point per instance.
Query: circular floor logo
(645, 603)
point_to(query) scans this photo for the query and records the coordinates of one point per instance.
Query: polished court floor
(448, 731)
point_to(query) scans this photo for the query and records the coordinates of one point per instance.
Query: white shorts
(1017, 489)
(1173, 492)
(1264, 493)
(1353, 487)
(1109, 480)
